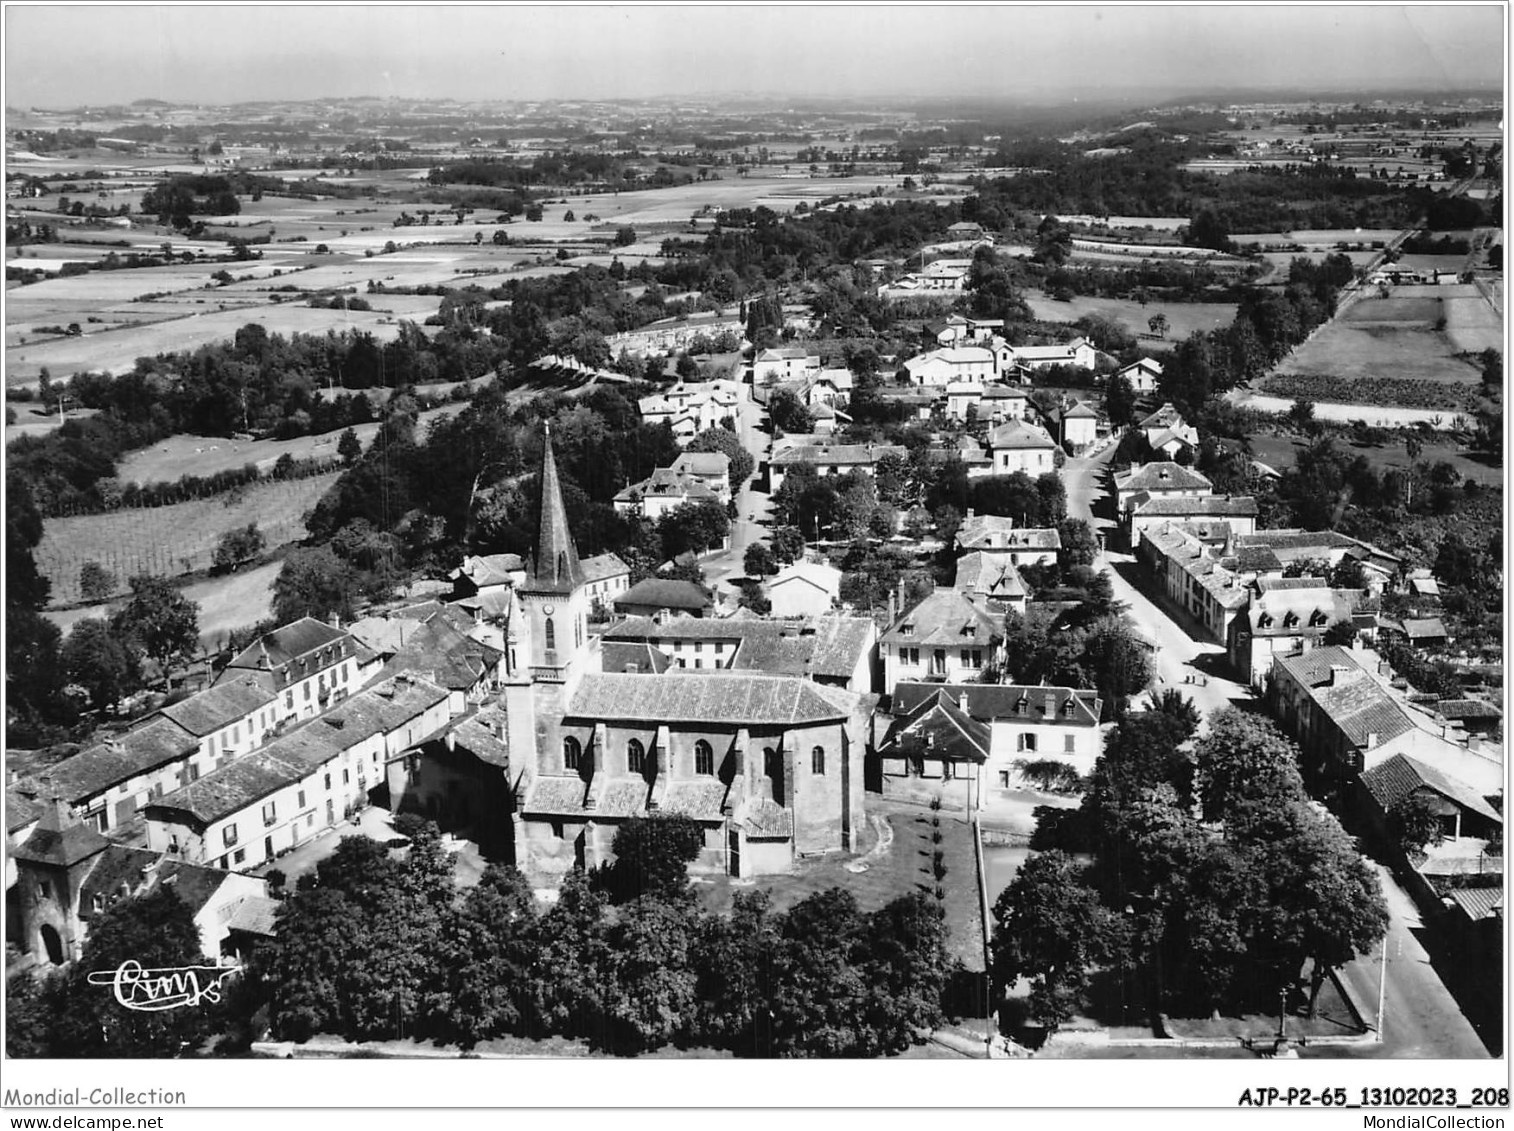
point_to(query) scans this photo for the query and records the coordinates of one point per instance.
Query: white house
(665, 490)
(1079, 351)
(1018, 446)
(946, 636)
(952, 365)
(713, 469)
(805, 589)
(787, 364)
(1142, 375)
(1080, 427)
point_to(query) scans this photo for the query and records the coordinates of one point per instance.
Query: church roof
(64, 848)
(686, 695)
(555, 568)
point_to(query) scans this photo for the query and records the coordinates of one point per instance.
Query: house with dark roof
(935, 748)
(946, 637)
(1459, 809)
(995, 535)
(1025, 724)
(1185, 562)
(1339, 706)
(308, 780)
(1289, 620)
(1155, 481)
(993, 579)
(828, 459)
(307, 664)
(1380, 568)
(228, 719)
(654, 595)
(1237, 511)
(69, 874)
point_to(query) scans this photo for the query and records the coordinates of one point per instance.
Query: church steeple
(556, 568)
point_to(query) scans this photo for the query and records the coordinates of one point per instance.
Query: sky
(66, 55)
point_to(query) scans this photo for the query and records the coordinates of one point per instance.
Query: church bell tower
(554, 598)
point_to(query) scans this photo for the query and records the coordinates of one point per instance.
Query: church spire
(556, 568)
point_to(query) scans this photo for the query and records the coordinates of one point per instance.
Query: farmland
(172, 540)
(1280, 451)
(1183, 318)
(1402, 338)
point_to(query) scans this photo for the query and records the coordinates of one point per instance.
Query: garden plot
(1471, 322)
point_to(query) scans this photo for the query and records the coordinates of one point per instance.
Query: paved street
(1420, 1017)
(752, 505)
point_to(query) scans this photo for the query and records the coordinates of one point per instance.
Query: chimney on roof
(1372, 740)
(336, 620)
(114, 744)
(962, 702)
(1050, 704)
(970, 512)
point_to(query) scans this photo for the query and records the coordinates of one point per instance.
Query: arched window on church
(562, 565)
(817, 760)
(572, 753)
(704, 758)
(551, 635)
(636, 757)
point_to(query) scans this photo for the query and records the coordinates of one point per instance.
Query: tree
(1079, 545)
(349, 447)
(732, 959)
(494, 956)
(313, 583)
(568, 216)
(238, 546)
(692, 528)
(1243, 760)
(652, 856)
(818, 990)
(1178, 707)
(759, 561)
(158, 931)
(789, 413)
(1119, 664)
(1413, 823)
(98, 662)
(906, 969)
(1157, 323)
(1120, 402)
(650, 998)
(1053, 930)
(158, 621)
(576, 959)
(625, 236)
(724, 440)
(96, 583)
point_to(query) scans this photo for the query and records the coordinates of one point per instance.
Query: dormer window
(1022, 706)
(1264, 621)
(1290, 620)
(1319, 619)
(906, 630)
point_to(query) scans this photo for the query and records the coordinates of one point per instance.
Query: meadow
(173, 540)
(1183, 318)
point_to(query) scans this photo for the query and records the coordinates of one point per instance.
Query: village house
(1003, 403)
(784, 364)
(1079, 351)
(1185, 561)
(654, 595)
(713, 469)
(308, 664)
(828, 459)
(804, 589)
(830, 387)
(606, 578)
(1157, 481)
(1079, 423)
(70, 874)
(997, 535)
(307, 781)
(1142, 375)
(1019, 446)
(947, 636)
(665, 490)
(1024, 724)
(964, 230)
(1287, 617)
(1237, 512)
(993, 579)
(953, 365)
(1262, 548)
(957, 329)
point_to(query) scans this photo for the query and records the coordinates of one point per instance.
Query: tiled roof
(249, 778)
(1478, 903)
(1271, 611)
(949, 617)
(991, 575)
(113, 869)
(1017, 435)
(840, 642)
(987, 701)
(1004, 393)
(998, 532)
(1291, 544)
(703, 463)
(288, 643)
(1080, 410)
(1162, 476)
(1426, 628)
(1165, 417)
(140, 750)
(487, 570)
(701, 799)
(445, 656)
(686, 695)
(765, 819)
(1190, 555)
(1467, 709)
(48, 844)
(829, 646)
(664, 593)
(945, 730)
(1399, 776)
(478, 740)
(20, 810)
(256, 915)
(379, 709)
(219, 706)
(193, 883)
(617, 656)
(826, 578)
(835, 454)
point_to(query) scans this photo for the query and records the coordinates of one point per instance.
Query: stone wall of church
(817, 799)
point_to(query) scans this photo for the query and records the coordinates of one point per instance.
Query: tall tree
(158, 621)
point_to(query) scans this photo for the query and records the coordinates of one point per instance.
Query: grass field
(1281, 452)
(236, 601)
(1394, 337)
(204, 455)
(1183, 318)
(169, 541)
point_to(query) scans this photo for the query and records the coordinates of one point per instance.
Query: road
(753, 506)
(1420, 1018)
(1179, 656)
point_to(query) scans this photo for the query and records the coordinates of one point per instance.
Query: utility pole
(1382, 988)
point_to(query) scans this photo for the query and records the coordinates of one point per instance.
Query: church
(769, 765)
